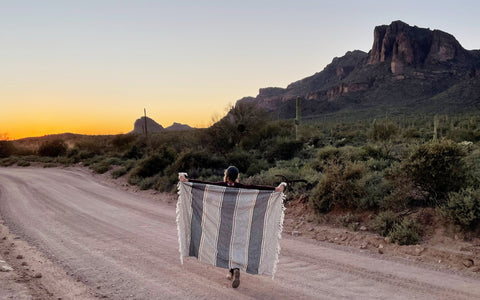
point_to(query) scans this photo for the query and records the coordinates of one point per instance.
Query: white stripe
(270, 241)
(212, 205)
(184, 218)
(242, 219)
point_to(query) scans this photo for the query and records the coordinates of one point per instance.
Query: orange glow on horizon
(31, 126)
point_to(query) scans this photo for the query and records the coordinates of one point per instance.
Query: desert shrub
(340, 188)
(412, 133)
(374, 151)
(472, 163)
(382, 130)
(256, 167)
(376, 189)
(340, 155)
(119, 172)
(199, 164)
(122, 141)
(23, 163)
(53, 148)
(328, 152)
(101, 167)
(383, 222)
(240, 127)
(89, 149)
(463, 208)
(405, 233)
(437, 167)
(350, 221)
(6, 149)
(462, 134)
(155, 164)
(147, 183)
(378, 164)
(241, 159)
(282, 149)
(9, 161)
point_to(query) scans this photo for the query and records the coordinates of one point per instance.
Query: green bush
(9, 161)
(119, 172)
(340, 188)
(405, 233)
(383, 223)
(147, 183)
(241, 159)
(437, 167)
(377, 189)
(463, 208)
(101, 167)
(53, 148)
(155, 164)
(23, 163)
(472, 162)
(199, 164)
(282, 149)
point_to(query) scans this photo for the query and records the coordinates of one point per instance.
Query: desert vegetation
(398, 176)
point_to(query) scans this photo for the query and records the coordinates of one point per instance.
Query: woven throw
(230, 227)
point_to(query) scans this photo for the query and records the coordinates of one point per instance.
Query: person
(230, 179)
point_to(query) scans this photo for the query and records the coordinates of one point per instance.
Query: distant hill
(408, 69)
(152, 126)
(178, 127)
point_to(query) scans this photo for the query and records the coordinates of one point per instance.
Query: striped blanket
(230, 227)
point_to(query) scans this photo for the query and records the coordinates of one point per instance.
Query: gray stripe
(256, 234)
(198, 190)
(225, 231)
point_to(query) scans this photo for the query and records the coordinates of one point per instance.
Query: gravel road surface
(96, 240)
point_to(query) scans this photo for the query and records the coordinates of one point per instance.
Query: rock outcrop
(403, 45)
(406, 67)
(152, 126)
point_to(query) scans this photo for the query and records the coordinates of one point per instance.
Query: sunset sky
(92, 66)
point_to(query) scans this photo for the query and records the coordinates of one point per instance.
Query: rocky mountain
(178, 127)
(152, 126)
(408, 69)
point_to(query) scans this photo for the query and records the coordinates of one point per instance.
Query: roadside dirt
(114, 241)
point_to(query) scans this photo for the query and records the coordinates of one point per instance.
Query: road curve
(124, 246)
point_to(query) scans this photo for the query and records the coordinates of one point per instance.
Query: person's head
(231, 174)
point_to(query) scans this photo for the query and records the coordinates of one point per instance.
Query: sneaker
(230, 274)
(236, 278)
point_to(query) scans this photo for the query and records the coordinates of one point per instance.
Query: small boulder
(468, 263)
(6, 269)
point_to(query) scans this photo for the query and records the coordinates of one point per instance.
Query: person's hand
(182, 177)
(281, 187)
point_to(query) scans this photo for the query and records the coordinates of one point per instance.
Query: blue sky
(92, 66)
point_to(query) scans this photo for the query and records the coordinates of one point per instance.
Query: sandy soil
(69, 234)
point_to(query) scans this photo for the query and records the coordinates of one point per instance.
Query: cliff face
(407, 65)
(403, 45)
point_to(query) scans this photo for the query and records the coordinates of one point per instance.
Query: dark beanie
(232, 173)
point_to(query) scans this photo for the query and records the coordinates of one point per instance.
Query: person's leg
(230, 274)
(236, 278)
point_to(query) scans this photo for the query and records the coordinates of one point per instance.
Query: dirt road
(90, 239)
